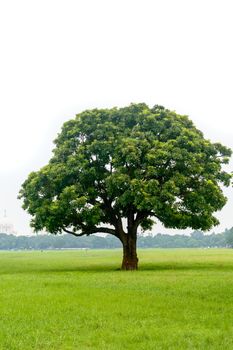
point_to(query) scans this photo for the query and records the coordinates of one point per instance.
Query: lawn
(179, 299)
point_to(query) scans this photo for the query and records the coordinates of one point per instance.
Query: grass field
(180, 299)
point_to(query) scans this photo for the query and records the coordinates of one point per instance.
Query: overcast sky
(61, 57)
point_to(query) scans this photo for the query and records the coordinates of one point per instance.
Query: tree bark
(130, 259)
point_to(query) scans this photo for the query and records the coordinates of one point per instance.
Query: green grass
(180, 299)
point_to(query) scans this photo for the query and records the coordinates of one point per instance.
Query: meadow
(63, 300)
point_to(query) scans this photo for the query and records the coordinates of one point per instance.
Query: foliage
(134, 163)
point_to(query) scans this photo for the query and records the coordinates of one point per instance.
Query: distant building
(6, 226)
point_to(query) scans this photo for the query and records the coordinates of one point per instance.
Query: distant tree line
(196, 239)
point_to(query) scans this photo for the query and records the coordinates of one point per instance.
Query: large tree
(115, 170)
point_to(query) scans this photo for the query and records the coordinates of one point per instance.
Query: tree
(197, 235)
(115, 170)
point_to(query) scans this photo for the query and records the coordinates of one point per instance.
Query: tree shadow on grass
(59, 270)
(186, 266)
(105, 268)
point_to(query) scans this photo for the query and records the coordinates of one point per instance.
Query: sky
(61, 57)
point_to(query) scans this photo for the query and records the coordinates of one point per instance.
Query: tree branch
(142, 215)
(103, 230)
(91, 230)
(109, 209)
(74, 233)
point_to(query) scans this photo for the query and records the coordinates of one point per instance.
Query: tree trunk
(130, 259)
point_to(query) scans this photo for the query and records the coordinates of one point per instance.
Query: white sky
(58, 58)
